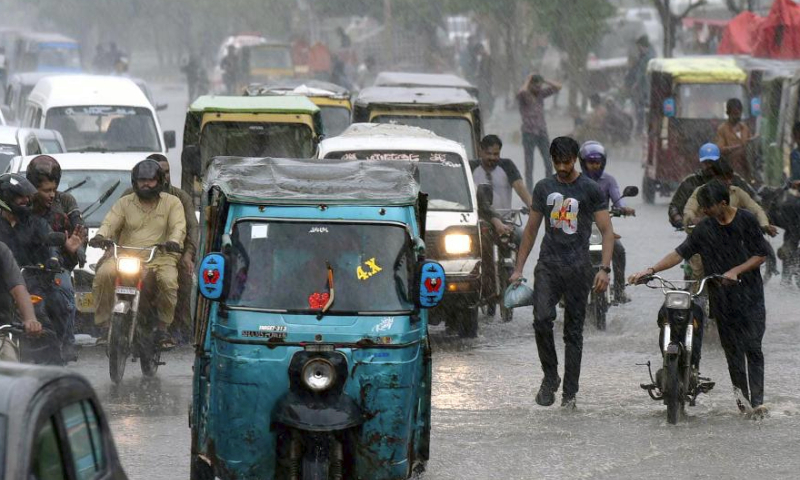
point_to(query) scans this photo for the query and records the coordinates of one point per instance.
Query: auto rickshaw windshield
(283, 266)
(253, 139)
(270, 57)
(453, 128)
(334, 119)
(707, 100)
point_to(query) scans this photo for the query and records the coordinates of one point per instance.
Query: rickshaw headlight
(678, 300)
(318, 374)
(128, 265)
(457, 243)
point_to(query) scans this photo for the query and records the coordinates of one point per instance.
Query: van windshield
(87, 187)
(57, 56)
(256, 139)
(284, 266)
(334, 120)
(442, 175)
(270, 57)
(454, 128)
(105, 128)
(707, 100)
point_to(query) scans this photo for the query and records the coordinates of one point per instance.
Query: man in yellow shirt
(142, 219)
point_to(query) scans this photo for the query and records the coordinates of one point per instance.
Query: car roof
(47, 37)
(403, 79)
(124, 161)
(19, 381)
(73, 90)
(386, 136)
(444, 96)
(298, 86)
(31, 78)
(266, 104)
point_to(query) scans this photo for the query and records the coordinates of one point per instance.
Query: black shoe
(491, 309)
(620, 297)
(568, 402)
(102, 336)
(547, 392)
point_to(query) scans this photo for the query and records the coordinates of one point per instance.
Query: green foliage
(576, 28)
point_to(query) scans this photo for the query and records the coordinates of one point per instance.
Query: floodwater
(486, 424)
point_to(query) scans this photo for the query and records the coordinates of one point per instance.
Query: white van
(452, 234)
(96, 113)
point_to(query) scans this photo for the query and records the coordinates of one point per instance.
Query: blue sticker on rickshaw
(212, 276)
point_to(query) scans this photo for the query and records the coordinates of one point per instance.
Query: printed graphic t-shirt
(568, 211)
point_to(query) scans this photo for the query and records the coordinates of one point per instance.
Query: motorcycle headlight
(128, 265)
(457, 243)
(678, 300)
(318, 374)
(596, 237)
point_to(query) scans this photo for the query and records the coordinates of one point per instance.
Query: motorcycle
(504, 258)
(783, 210)
(599, 303)
(680, 321)
(132, 328)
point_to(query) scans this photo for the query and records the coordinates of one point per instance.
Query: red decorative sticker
(211, 276)
(433, 284)
(318, 300)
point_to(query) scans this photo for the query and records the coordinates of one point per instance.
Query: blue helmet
(709, 152)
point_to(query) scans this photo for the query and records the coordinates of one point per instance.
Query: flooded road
(485, 421)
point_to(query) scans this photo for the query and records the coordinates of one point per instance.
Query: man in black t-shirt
(731, 243)
(568, 202)
(14, 294)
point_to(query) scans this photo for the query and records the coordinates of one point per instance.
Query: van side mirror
(190, 160)
(630, 191)
(755, 106)
(169, 139)
(430, 284)
(485, 194)
(212, 279)
(669, 107)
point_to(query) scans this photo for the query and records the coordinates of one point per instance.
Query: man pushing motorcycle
(143, 219)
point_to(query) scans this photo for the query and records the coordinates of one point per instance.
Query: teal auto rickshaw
(312, 351)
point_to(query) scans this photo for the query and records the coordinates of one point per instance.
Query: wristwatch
(605, 269)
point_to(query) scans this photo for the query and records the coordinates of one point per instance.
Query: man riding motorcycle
(593, 163)
(61, 212)
(503, 180)
(709, 154)
(27, 236)
(143, 219)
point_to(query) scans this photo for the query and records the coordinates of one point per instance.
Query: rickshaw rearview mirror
(212, 280)
(755, 106)
(669, 107)
(630, 191)
(430, 284)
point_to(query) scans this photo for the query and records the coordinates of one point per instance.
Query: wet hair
(537, 79)
(796, 129)
(490, 141)
(713, 193)
(643, 41)
(158, 157)
(733, 103)
(564, 149)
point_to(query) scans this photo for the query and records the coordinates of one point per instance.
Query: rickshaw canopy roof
(297, 86)
(422, 96)
(281, 181)
(707, 69)
(773, 68)
(260, 104)
(435, 80)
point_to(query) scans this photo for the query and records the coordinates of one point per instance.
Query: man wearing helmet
(61, 212)
(709, 155)
(593, 163)
(142, 219)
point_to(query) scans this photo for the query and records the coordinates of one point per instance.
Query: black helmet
(43, 167)
(13, 186)
(147, 170)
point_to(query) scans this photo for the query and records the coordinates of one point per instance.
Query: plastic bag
(518, 295)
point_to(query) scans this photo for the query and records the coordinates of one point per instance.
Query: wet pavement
(485, 421)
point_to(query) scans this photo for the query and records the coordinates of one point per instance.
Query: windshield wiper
(139, 148)
(77, 185)
(100, 201)
(93, 149)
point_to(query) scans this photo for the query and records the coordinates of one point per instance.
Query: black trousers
(741, 340)
(530, 142)
(551, 282)
(618, 264)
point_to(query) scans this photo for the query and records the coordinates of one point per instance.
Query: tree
(670, 20)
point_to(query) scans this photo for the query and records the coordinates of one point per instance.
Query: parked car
(16, 141)
(53, 426)
(97, 113)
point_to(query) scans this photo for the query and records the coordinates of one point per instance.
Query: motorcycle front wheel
(118, 349)
(149, 354)
(672, 392)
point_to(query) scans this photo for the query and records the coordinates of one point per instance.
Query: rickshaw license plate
(84, 302)
(126, 290)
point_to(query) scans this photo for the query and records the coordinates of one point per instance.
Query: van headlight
(128, 265)
(318, 374)
(457, 243)
(596, 238)
(678, 300)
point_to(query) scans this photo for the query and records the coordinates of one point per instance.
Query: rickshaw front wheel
(200, 470)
